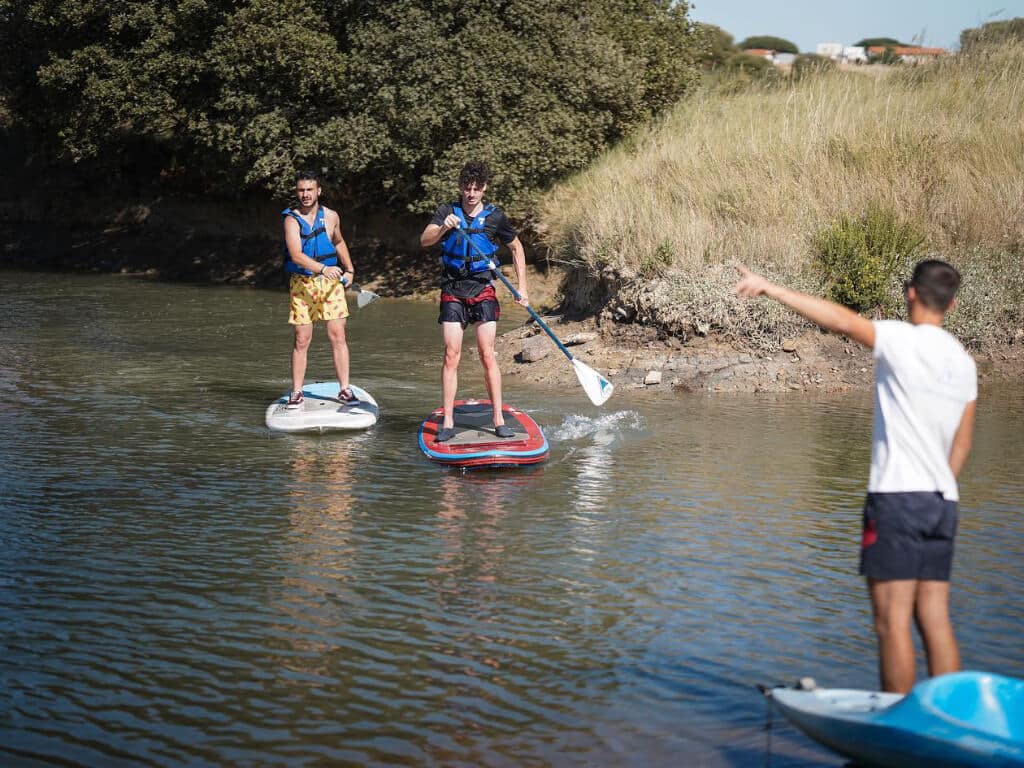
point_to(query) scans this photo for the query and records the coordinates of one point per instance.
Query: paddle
(363, 297)
(597, 387)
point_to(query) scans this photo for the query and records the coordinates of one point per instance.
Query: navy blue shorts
(908, 536)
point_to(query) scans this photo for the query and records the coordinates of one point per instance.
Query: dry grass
(752, 176)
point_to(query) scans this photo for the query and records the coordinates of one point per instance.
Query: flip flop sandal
(346, 395)
(294, 399)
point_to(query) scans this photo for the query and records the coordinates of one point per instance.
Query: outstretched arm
(829, 315)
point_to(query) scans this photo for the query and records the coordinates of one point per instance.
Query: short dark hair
(935, 283)
(474, 172)
(307, 175)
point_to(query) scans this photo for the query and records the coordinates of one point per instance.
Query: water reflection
(180, 587)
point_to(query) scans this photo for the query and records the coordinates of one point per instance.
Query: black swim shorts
(908, 536)
(479, 309)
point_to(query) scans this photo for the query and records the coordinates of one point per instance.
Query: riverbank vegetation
(387, 100)
(781, 175)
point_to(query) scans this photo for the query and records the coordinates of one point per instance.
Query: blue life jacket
(315, 242)
(457, 255)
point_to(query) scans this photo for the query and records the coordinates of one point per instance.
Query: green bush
(717, 45)
(811, 64)
(745, 62)
(858, 257)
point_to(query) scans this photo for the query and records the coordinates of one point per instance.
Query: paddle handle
(515, 294)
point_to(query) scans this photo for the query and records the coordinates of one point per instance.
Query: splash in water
(576, 427)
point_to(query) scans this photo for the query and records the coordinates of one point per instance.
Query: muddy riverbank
(174, 242)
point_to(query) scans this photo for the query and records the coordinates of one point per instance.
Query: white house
(829, 50)
(855, 54)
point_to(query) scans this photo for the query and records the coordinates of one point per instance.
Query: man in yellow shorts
(320, 268)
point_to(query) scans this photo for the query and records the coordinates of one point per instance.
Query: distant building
(764, 53)
(829, 50)
(784, 60)
(855, 54)
(912, 54)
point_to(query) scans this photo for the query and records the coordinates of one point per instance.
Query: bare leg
(450, 372)
(303, 335)
(485, 336)
(931, 612)
(339, 349)
(892, 603)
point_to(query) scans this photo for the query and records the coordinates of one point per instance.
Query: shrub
(810, 64)
(859, 257)
(717, 46)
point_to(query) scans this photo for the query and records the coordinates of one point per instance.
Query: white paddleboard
(321, 411)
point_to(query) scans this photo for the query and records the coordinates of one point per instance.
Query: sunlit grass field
(753, 174)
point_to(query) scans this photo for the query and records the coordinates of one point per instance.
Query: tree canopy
(387, 99)
(767, 41)
(885, 42)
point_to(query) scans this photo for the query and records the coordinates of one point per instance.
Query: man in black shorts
(467, 295)
(926, 388)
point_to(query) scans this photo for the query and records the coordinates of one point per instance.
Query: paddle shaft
(515, 294)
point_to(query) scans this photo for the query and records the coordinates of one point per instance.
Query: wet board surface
(476, 445)
(321, 410)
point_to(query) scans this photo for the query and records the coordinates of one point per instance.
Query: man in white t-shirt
(925, 394)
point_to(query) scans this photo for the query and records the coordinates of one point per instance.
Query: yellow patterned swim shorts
(316, 298)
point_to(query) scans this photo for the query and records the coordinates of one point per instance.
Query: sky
(809, 22)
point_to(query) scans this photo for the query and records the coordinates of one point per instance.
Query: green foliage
(992, 33)
(387, 99)
(718, 45)
(858, 257)
(767, 41)
(656, 262)
(887, 42)
(746, 62)
(811, 64)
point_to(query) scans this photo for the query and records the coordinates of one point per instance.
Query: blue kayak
(952, 721)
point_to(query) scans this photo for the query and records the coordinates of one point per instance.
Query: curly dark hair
(474, 172)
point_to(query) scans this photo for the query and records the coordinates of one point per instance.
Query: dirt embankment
(636, 357)
(241, 246)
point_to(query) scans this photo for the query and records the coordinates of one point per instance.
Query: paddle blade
(597, 387)
(365, 297)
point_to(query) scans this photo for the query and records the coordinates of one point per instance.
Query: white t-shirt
(924, 379)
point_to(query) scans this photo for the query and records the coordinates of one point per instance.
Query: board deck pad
(321, 411)
(475, 443)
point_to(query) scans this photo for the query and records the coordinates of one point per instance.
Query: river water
(179, 586)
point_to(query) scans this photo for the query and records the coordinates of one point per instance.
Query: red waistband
(484, 295)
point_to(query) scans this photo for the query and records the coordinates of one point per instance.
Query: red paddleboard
(476, 445)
